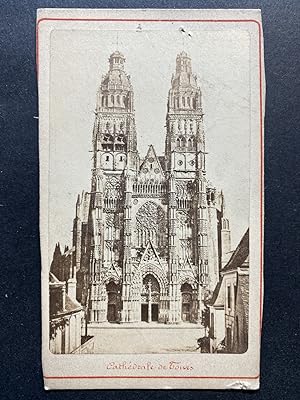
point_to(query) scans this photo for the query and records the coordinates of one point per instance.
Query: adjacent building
(67, 328)
(229, 305)
(65, 318)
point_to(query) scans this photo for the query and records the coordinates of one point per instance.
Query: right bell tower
(187, 193)
(184, 116)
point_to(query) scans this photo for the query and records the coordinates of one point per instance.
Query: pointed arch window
(107, 142)
(193, 141)
(191, 125)
(118, 99)
(183, 101)
(112, 99)
(151, 223)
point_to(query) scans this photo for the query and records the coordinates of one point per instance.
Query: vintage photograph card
(151, 197)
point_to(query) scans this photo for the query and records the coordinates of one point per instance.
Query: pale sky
(80, 58)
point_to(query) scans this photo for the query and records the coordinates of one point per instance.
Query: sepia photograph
(141, 247)
(149, 191)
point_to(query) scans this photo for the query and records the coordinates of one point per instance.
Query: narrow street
(146, 338)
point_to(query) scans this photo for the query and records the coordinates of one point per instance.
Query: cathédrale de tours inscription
(151, 239)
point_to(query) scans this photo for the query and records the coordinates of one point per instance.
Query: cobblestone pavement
(120, 339)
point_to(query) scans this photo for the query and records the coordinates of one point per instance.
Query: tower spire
(115, 157)
(114, 128)
(184, 110)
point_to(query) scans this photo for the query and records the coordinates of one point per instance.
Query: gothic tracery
(151, 224)
(148, 217)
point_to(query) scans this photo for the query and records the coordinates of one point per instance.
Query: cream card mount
(151, 197)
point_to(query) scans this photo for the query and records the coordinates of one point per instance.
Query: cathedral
(150, 237)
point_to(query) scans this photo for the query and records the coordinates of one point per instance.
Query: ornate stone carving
(112, 193)
(181, 189)
(149, 255)
(109, 244)
(112, 187)
(183, 218)
(150, 217)
(109, 219)
(150, 282)
(186, 243)
(186, 297)
(184, 188)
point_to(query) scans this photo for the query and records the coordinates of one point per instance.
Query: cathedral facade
(150, 237)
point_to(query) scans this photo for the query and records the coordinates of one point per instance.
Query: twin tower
(150, 237)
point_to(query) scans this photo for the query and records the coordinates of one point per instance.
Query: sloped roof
(72, 305)
(54, 282)
(240, 254)
(239, 257)
(53, 279)
(217, 298)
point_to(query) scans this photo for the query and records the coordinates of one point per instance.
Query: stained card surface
(151, 187)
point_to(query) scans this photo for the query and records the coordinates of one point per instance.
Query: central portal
(154, 312)
(150, 299)
(144, 312)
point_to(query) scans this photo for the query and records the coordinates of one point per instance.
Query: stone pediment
(187, 276)
(188, 268)
(150, 254)
(151, 167)
(112, 273)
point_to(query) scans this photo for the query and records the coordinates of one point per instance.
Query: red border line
(261, 168)
(151, 377)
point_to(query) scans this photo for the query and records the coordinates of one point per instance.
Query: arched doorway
(113, 301)
(150, 299)
(186, 302)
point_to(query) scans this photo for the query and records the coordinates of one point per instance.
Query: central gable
(150, 254)
(151, 167)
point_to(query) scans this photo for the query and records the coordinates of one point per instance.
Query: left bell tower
(114, 134)
(114, 159)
